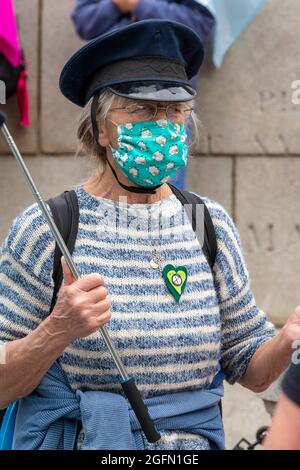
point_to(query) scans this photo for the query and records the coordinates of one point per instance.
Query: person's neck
(106, 186)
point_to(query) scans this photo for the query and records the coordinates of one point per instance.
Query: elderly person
(92, 18)
(178, 340)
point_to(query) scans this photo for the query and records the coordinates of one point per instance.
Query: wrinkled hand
(126, 6)
(82, 305)
(291, 330)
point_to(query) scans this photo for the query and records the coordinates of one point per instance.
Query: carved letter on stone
(260, 238)
(215, 143)
(266, 100)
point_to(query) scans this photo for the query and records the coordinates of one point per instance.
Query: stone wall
(248, 158)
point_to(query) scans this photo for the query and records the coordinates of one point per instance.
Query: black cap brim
(154, 91)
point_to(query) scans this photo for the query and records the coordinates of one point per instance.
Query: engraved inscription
(215, 143)
(260, 239)
(278, 101)
(270, 237)
(266, 144)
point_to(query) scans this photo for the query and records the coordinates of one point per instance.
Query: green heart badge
(175, 279)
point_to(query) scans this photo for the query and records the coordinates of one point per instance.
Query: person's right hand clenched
(82, 305)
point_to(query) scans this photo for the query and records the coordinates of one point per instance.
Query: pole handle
(134, 397)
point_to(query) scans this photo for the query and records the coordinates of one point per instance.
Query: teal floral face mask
(151, 153)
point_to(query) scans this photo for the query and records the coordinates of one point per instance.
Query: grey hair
(196, 125)
(86, 141)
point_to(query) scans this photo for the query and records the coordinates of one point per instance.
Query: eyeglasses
(148, 112)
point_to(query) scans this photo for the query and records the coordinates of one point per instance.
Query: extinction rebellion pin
(175, 279)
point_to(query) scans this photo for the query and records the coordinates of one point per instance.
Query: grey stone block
(59, 40)
(52, 175)
(243, 414)
(267, 214)
(28, 21)
(211, 177)
(246, 106)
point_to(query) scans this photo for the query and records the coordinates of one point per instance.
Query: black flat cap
(149, 60)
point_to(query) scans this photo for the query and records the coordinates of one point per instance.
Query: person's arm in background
(92, 18)
(197, 18)
(95, 17)
(284, 433)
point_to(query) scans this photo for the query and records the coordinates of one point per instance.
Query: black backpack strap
(210, 241)
(65, 213)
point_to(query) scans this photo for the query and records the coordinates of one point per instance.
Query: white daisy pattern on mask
(161, 140)
(128, 147)
(153, 170)
(142, 146)
(124, 157)
(158, 156)
(146, 134)
(133, 171)
(170, 165)
(174, 150)
(140, 160)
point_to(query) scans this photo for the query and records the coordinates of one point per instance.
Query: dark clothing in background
(291, 383)
(95, 17)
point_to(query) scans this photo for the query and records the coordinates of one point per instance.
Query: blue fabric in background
(8, 426)
(48, 418)
(232, 17)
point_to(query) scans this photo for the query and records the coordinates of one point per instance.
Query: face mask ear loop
(133, 189)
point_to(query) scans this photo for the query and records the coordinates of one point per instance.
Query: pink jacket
(9, 40)
(10, 48)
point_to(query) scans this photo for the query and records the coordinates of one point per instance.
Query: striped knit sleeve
(26, 284)
(244, 326)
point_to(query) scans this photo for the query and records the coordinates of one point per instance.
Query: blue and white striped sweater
(168, 347)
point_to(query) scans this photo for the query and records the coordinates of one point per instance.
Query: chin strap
(133, 189)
